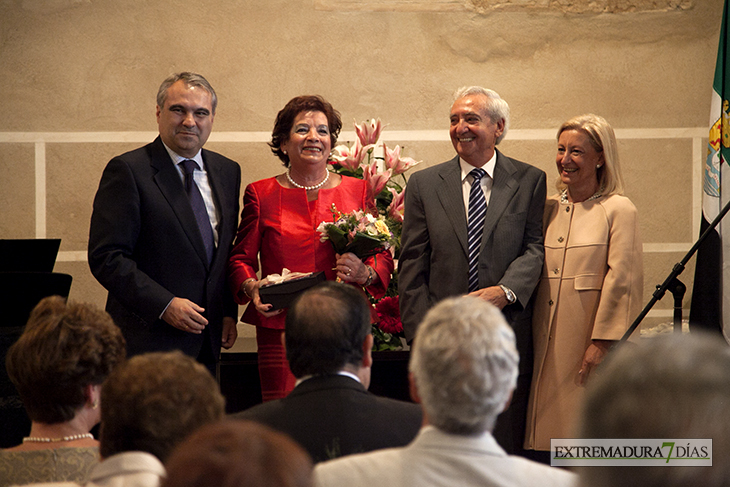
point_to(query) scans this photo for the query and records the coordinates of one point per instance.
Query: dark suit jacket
(333, 416)
(433, 262)
(145, 247)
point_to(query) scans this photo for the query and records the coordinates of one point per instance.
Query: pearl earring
(598, 166)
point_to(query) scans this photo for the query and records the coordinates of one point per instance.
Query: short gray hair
(664, 387)
(465, 365)
(496, 108)
(190, 79)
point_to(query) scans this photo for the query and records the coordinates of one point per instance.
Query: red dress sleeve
(278, 230)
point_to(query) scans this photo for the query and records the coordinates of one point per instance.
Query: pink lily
(350, 157)
(377, 179)
(397, 207)
(369, 131)
(395, 162)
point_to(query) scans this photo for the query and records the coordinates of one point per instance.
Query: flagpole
(671, 282)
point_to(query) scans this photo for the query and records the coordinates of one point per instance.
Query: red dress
(280, 224)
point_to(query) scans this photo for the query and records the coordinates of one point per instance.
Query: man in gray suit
(463, 369)
(506, 259)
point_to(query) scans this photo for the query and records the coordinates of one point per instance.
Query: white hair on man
(496, 108)
(465, 365)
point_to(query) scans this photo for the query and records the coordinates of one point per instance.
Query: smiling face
(577, 162)
(309, 141)
(473, 133)
(186, 119)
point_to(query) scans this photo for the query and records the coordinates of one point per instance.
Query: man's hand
(185, 315)
(492, 294)
(230, 332)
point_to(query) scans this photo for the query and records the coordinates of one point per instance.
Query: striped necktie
(477, 211)
(198, 205)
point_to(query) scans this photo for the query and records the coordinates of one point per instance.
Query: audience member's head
(675, 387)
(327, 329)
(238, 454)
(153, 401)
(64, 351)
(464, 365)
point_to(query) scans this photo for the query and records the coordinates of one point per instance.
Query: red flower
(389, 315)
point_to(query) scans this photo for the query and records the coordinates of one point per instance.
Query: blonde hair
(602, 138)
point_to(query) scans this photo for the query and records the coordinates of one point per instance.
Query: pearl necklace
(308, 188)
(564, 197)
(38, 439)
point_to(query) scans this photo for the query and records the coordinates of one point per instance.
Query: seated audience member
(464, 369)
(238, 454)
(675, 387)
(58, 365)
(150, 404)
(330, 412)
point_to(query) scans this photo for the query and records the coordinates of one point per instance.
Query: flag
(710, 306)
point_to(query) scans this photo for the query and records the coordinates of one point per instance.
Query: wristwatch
(511, 298)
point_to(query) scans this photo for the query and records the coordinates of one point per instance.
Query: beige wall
(79, 79)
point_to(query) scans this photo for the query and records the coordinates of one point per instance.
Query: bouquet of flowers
(380, 171)
(358, 232)
(384, 169)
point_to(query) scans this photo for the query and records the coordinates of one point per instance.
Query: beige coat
(591, 288)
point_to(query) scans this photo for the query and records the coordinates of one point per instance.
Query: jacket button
(560, 239)
(556, 271)
(551, 302)
(567, 209)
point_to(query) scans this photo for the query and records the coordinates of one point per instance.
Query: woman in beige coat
(591, 286)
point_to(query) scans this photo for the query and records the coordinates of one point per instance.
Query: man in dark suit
(164, 219)
(330, 412)
(505, 261)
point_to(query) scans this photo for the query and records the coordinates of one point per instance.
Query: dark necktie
(477, 211)
(198, 205)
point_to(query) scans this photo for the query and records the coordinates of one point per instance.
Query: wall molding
(698, 136)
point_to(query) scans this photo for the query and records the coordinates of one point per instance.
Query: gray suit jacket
(438, 459)
(433, 263)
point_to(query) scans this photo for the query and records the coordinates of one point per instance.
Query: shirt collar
(177, 158)
(488, 167)
(341, 372)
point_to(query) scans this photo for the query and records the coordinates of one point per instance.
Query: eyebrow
(306, 125)
(196, 109)
(466, 114)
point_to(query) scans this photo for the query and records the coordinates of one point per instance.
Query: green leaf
(364, 245)
(338, 238)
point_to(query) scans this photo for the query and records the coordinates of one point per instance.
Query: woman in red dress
(278, 228)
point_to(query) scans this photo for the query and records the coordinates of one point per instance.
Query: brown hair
(154, 400)
(63, 349)
(285, 120)
(238, 453)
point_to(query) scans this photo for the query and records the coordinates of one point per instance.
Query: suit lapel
(503, 189)
(452, 200)
(168, 180)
